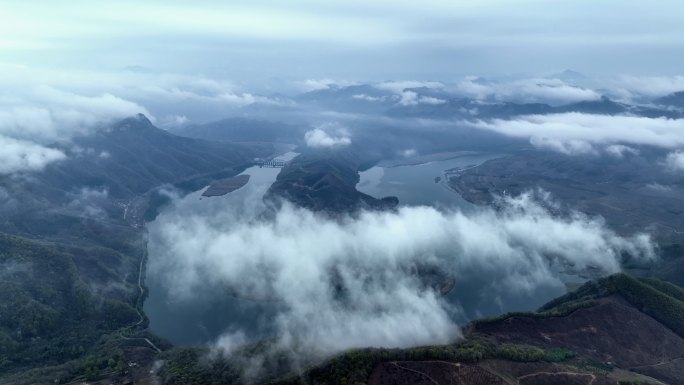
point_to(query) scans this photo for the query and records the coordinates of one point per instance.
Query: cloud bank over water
(320, 138)
(353, 282)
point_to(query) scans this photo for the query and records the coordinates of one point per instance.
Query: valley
(147, 257)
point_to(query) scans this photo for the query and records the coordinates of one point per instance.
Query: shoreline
(424, 159)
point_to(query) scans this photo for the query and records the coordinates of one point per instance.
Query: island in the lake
(225, 186)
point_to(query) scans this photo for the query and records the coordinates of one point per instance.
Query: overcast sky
(259, 40)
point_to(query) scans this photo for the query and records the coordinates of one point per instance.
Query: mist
(335, 284)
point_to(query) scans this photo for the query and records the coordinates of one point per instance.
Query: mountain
(325, 181)
(363, 98)
(240, 129)
(675, 100)
(630, 192)
(465, 108)
(615, 331)
(112, 167)
(71, 260)
(571, 77)
(343, 93)
(618, 330)
(606, 106)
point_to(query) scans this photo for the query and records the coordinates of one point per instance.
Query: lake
(415, 184)
(472, 296)
(205, 318)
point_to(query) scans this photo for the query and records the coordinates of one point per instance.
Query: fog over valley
(473, 192)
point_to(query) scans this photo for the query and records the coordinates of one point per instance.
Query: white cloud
(33, 118)
(657, 187)
(323, 84)
(619, 150)
(245, 99)
(173, 121)
(229, 341)
(409, 153)
(41, 107)
(568, 146)
(630, 87)
(351, 282)
(398, 87)
(318, 138)
(410, 98)
(675, 161)
(580, 133)
(44, 114)
(554, 91)
(19, 155)
(369, 98)
(88, 202)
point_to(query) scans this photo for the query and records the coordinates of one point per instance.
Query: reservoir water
(416, 184)
(205, 318)
(473, 294)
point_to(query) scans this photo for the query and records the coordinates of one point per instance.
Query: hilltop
(617, 330)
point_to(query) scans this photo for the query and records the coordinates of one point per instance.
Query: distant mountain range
(674, 100)
(239, 129)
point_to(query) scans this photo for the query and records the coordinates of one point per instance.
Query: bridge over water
(272, 163)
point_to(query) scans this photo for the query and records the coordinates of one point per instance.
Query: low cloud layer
(40, 108)
(20, 155)
(398, 87)
(320, 138)
(543, 90)
(645, 87)
(675, 161)
(578, 133)
(410, 98)
(37, 115)
(352, 282)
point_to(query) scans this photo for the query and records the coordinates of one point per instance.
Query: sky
(69, 66)
(264, 40)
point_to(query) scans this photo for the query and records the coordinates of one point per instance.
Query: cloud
(88, 202)
(410, 98)
(323, 84)
(369, 98)
(399, 86)
(351, 282)
(318, 138)
(230, 341)
(675, 161)
(554, 91)
(657, 187)
(34, 120)
(21, 155)
(43, 107)
(632, 87)
(35, 115)
(127, 92)
(579, 133)
(264, 39)
(409, 153)
(44, 114)
(619, 150)
(173, 121)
